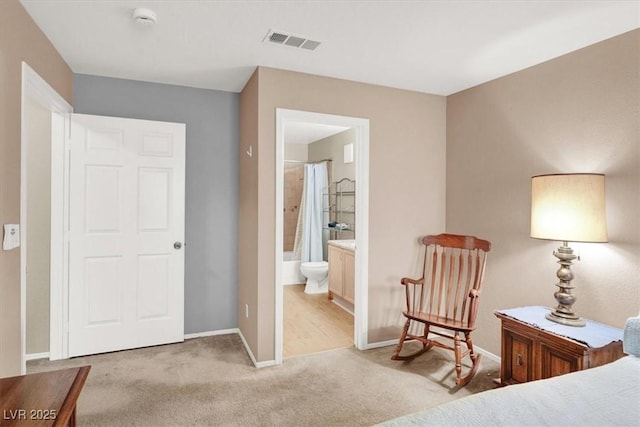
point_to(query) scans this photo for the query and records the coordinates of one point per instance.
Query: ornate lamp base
(559, 317)
(564, 312)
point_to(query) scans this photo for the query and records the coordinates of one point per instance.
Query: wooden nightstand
(534, 348)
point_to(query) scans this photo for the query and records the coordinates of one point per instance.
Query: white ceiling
(438, 47)
(306, 133)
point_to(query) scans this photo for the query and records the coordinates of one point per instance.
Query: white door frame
(36, 88)
(361, 126)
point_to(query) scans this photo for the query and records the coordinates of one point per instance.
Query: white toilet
(317, 277)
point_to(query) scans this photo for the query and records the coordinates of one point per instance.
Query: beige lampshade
(568, 207)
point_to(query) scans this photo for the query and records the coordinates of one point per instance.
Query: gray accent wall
(212, 122)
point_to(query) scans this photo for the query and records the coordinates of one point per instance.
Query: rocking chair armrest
(408, 281)
(474, 293)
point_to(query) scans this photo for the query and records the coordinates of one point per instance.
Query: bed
(608, 395)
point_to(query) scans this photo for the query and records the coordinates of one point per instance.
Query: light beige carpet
(211, 381)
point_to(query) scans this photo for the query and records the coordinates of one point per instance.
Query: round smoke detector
(144, 16)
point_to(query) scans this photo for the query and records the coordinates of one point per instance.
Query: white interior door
(126, 214)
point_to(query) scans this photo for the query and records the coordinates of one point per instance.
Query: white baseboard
(252, 357)
(211, 333)
(265, 364)
(379, 344)
(488, 354)
(35, 356)
(244, 343)
(395, 342)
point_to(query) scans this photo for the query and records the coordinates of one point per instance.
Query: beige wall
(20, 40)
(332, 147)
(576, 113)
(39, 226)
(248, 212)
(297, 152)
(407, 188)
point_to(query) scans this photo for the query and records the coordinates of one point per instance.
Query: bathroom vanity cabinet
(342, 269)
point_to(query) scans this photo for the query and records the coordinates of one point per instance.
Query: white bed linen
(608, 395)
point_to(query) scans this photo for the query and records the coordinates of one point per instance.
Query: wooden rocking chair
(446, 297)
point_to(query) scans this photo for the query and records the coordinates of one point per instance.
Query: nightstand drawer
(519, 358)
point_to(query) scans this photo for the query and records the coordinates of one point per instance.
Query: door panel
(103, 292)
(126, 279)
(155, 199)
(153, 280)
(103, 198)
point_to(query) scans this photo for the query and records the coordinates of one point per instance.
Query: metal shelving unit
(342, 208)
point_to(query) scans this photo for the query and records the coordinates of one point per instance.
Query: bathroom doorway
(312, 322)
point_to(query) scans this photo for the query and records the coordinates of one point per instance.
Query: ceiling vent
(279, 37)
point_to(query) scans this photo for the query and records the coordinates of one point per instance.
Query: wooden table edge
(68, 408)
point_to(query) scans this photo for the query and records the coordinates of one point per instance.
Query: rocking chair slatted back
(452, 279)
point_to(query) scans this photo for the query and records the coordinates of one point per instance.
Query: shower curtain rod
(302, 161)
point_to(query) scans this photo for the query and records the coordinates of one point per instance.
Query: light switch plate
(11, 236)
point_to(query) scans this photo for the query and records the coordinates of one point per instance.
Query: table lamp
(567, 208)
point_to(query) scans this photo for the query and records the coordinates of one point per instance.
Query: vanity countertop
(344, 244)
